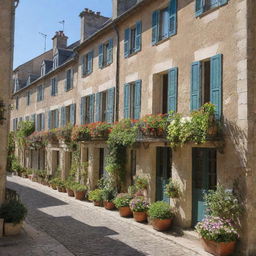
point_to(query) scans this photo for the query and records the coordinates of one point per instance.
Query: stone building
(7, 8)
(123, 67)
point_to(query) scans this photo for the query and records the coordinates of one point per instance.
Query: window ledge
(210, 11)
(132, 54)
(106, 65)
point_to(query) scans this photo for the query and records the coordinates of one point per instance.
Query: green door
(204, 178)
(163, 172)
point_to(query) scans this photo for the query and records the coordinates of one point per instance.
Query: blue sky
(34, 16)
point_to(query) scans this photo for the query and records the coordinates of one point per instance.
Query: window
(40, 122)
(68, 115)
(132, 100)
(17, 102)
(206, 5)
(164, 22)
(43, 69)
(15, 124)
(132, 39)
(69, 80)
(87, 109)
(28, 98)
(54, 87)
(87, 64)
(40, 93)
(206, 83)
(53, 119)
(106, 53)
(55, 61)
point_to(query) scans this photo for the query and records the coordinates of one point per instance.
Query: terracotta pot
(80, 195)
(11, 229)
(70, 192)
(213, 130)
(64, 190)
(97, 203)
(54, 187)
(161, 225)
(109, 205)
(125, 211)
(60, 189)
(140, 216)
(218, 249)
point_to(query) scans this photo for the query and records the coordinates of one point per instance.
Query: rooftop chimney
(121, 6)
(59, 41)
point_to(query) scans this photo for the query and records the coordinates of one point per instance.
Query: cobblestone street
(87, 230)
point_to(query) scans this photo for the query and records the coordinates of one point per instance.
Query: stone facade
(227, 30)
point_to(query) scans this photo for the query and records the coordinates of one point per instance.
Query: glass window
(164, 24)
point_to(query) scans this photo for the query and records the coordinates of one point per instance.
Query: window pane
(164, 25)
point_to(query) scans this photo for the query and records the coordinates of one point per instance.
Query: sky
(35, 16)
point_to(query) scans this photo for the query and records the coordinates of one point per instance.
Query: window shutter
(138, 36)
(37, 123)
(49, 119)
(127, 92)
(42, 97)
(71, 78)
(199, 7)
(155, 26)
(216, 84)
(43, 121)
(73, 114)
(101, 56)
(90, 62)
(110, 52)
(66, 82)
(57, 118)
(82, 110)
(222, 2)
(83, 66)
(195, 93)
(91, 108)
(62, 116)
(137, 99)
(97, 110)
(172, 89)
(172, 17)
(110, 105)
(33, 118)
(127, 42)
(56, 86)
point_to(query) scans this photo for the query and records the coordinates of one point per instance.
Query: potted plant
(122, 202)
(80, 191)
(61, 186)
(172, 189)
(161, 214)
(139, 207)
(141, 185)
(218, 235)
(108, 195)
(53, 183)
(96, 196)
(69, 188)
(13, 213)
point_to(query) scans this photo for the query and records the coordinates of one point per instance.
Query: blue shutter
(110, 105)
(43, 121)
(56, 86)
(172, 17)
(127, 42)
(155, 26)
(172, 89)
(66, 82)
(91, 108)
(71, 78)
(216, 84)
(222, 2)
(137, 99)
(63, 116)
(97, 108)
(90, 62)
(73, 114)
(110, 52)
(57, 118)
(101, 56)
(195, 93)
(127, 95)
(82, 110)
(37, 123)
(199, 7)
(49, 119)
(138, 36)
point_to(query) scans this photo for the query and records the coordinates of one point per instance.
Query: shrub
(172, 189)
(108, 194)
(13, 212)
(79, 187)
(141, 183)
(122, 200)
(95, 195)
(160, 210)
(139, 204)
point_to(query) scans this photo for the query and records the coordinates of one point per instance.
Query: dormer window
(43, 69)
(55, 61)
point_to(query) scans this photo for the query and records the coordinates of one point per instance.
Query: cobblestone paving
(87, 230)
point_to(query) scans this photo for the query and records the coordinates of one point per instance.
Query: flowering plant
(80, 133)
(64, 133)
(122, 200)
(99, 129)
(139, 204)
(172, 189)
(217, 229)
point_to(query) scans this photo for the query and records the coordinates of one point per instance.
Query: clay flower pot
(97, 203)
(54, 187)
(80, 195)
(11, 229)
(125, 211)
(161, 225)
(70, 192)
(109, 205)
(140, 216)
(219, 248)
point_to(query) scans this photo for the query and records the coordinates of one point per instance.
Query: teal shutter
(110, 105)
(73, 114)
(56, 86)
(216, 84)
(155, 26)
(172, 17)
(138, 36)
(97, 108)
(37, 123)
(195, 93)
(63, 116)
(199, 7)
(172, 89)
(43, 121)
(110, 52)
(49, 119)
(137, 99)
(127, 95)
(127, 42)
(101, 56)
(82, 110)
(222, 2)
(91, 108)
(71, 78)
(56, 118)
(90, 62)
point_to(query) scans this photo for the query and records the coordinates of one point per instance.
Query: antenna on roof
(63, 24)
(45, 37)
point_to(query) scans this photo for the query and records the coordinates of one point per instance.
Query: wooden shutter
(101, 56)
(49, 119)
(172, 17)
(172, 89)
(97, 108)
(66, 81)
(37, 123)
(138, 36)
(199, 7)
(63, 116)
(222, 2)
(216, 84)
(71, 78)
(110, 52)
(82, 110)
(43, 121)
(42, 93)
(127, 92)
(83, 66)
(195, 90)
(155, 26)
(73, 114)
(91, 108)
(56, 118)
(90, 63)
(110, 105)
(127, 42)
(137, 99)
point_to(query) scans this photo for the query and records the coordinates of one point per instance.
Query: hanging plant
(80, 133)
(99, 130)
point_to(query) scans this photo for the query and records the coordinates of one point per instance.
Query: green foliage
(80, 133)
(16, 166)
(139, 204)
(122, 200)
(25, 129)
(160, 210)
(79, 187)
(172, 189)
(96, 195)
(13, 212)
(132, 190)
(141, 183)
